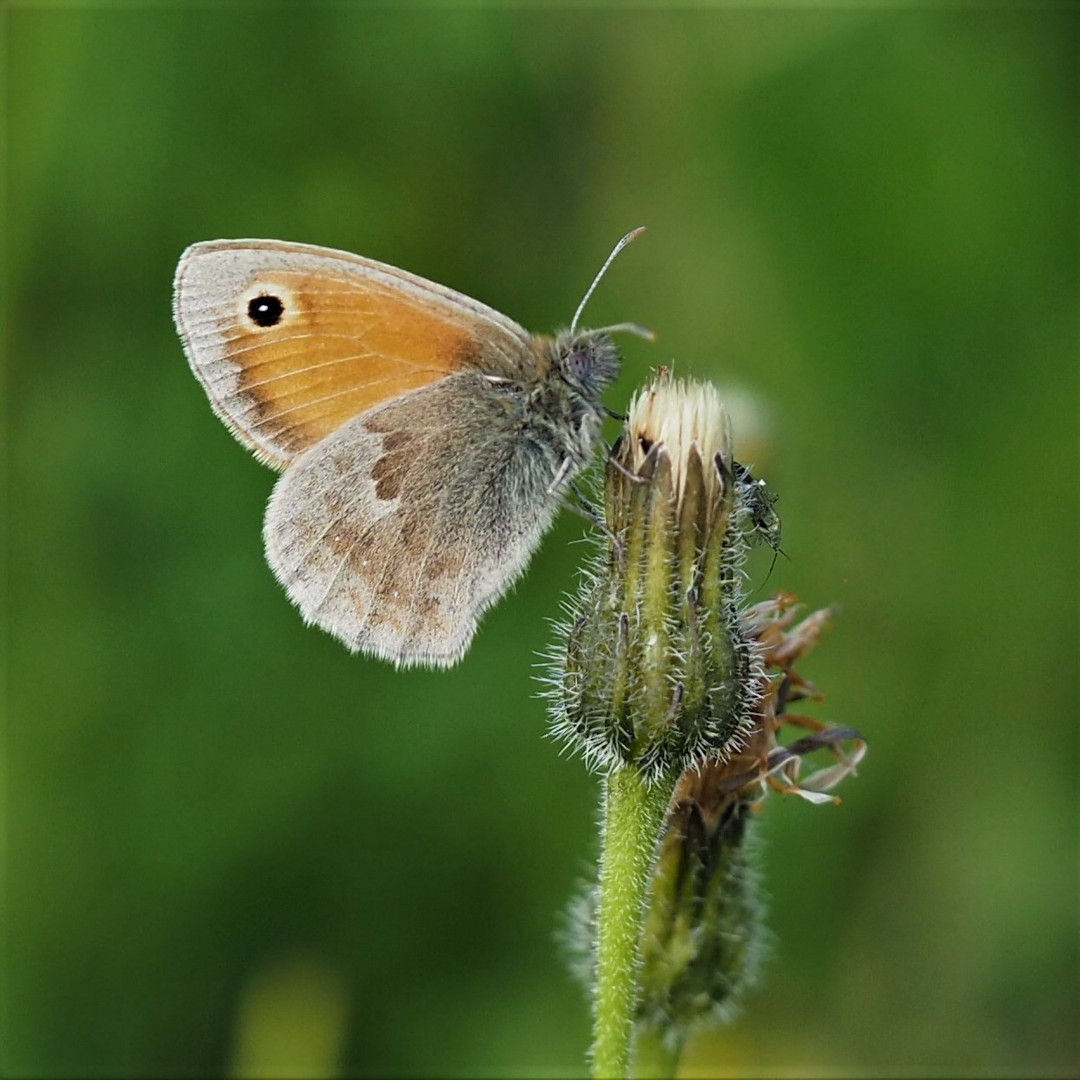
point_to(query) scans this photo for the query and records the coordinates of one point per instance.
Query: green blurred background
(233, 848)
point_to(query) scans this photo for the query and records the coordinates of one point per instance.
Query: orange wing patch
(291, 343)
(335, 352)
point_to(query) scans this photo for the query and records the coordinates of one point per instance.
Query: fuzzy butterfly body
(423, 437)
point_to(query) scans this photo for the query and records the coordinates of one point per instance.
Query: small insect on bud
(760, 504)
(655, 670)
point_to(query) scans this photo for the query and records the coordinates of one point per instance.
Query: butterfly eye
(265, 310)
(579, 364)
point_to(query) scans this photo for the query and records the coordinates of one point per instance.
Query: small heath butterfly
(424, 439)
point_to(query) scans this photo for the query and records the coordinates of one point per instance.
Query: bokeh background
(230, 847)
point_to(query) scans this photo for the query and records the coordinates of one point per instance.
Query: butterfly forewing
(293, 341)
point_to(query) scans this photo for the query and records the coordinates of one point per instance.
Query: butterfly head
(588, 361)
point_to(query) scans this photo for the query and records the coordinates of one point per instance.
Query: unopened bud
(704, 934)
(655, 670)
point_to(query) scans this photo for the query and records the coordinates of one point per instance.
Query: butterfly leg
(563, 472)
(620, 467)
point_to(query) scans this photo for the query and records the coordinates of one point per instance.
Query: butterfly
(425, 441)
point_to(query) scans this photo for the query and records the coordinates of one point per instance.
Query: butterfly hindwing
(399, 530)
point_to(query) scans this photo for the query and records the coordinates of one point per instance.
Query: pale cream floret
(680, 414)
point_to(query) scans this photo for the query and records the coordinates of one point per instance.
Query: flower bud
(704, 934)
(704, 937)
(655, 670)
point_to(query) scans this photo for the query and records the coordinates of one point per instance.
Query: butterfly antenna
(629, 328)
(632, 235)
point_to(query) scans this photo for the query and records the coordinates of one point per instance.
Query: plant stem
(634, 814)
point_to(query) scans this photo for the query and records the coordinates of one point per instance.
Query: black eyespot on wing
(265, 310)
